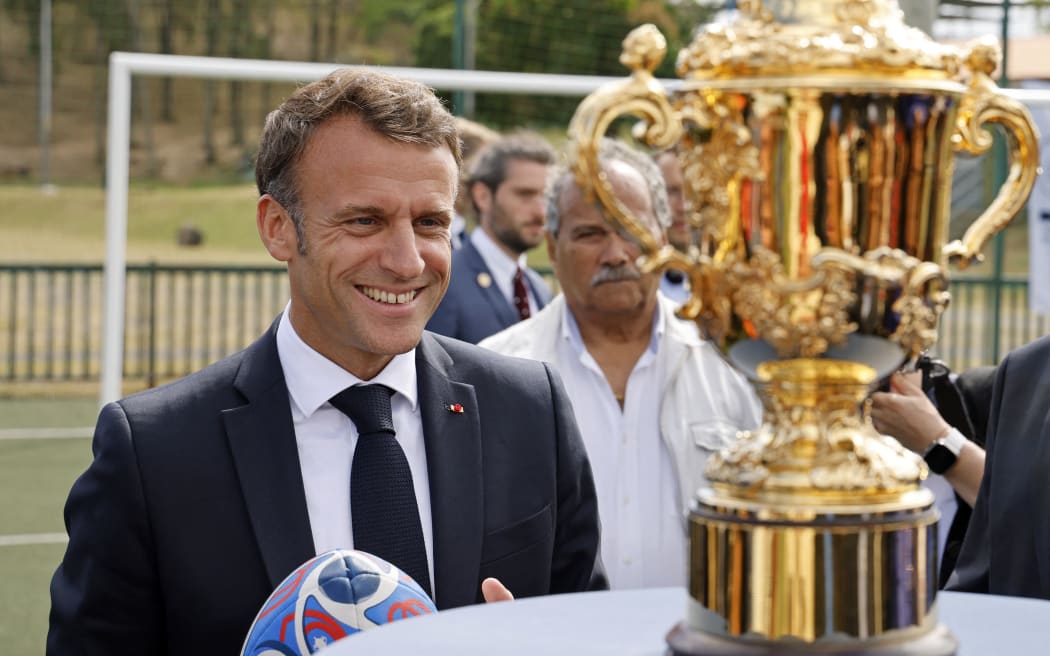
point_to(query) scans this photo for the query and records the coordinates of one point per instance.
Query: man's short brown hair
(401, 110)
(491, 164)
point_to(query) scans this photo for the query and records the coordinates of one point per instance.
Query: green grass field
(69, 226)
(36, 476)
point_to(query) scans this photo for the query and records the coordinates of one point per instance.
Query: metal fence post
(1000, 177)
(151, 324)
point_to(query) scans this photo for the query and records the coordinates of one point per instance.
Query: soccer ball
(329, 597)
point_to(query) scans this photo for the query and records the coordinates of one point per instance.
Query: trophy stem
(815, 445)
(814, 533)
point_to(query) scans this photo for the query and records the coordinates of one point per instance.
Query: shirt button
(627, 501)
(627, 561)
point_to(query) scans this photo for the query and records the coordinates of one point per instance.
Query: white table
(636, 621)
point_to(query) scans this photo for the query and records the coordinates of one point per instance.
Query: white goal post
(123, 65)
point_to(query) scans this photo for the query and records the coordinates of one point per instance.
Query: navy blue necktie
(382, 498)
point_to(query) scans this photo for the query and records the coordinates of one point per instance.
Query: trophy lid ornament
(807, 37)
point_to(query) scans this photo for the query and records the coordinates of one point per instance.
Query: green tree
(174, 17)
(548, 36)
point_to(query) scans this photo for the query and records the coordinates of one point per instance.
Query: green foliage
(435, 26)
(548, 36)
(37, 478)
(188, 125)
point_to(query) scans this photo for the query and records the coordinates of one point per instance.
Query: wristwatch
(942, 453)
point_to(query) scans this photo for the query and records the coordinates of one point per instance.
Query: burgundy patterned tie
(382, 498)
(521, 295)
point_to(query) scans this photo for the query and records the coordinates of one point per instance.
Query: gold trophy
(817, 141)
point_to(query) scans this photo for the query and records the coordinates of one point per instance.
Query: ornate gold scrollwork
(813, 438)
(714, 167)
(924, 297)
(640, 95)
(920, 287)
(845, 35)
(985, 103)
(799, 318)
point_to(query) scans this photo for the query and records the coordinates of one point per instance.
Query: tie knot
(368, 406)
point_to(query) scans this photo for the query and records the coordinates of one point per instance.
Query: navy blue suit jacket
(193, 509)
(471, 311)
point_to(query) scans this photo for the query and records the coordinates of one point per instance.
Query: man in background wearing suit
(1007, 545)
(492, 287)
(205, 493)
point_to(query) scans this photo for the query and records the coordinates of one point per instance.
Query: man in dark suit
(492, 287)
(1007, 545)
(205, 493)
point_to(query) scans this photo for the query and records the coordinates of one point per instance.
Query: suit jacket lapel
(504, 310)
(453, 446)
(262, 442)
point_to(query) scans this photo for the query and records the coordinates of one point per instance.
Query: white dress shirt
(502, 267)
(642, 539)
(326, 438)
(683, 403)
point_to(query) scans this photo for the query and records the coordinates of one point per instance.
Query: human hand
(492, 590)
(906, 413)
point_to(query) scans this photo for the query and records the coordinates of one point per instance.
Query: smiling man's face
(376, 258)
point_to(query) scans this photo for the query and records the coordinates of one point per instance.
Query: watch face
(939, 458)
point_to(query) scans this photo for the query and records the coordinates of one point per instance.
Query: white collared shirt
(502, 267)
(643, 544)
(326, 438)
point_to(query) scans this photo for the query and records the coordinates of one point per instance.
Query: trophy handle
(642, 96)
(985, 103)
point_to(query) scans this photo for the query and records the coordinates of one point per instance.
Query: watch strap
(943, 452)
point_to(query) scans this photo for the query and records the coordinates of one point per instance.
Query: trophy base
(684, 641)
(786, 573)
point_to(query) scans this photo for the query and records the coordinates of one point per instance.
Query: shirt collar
(312, 378)
(570, 331)
(501, 265)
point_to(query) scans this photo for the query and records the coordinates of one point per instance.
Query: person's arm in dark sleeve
(104, 595)
(972, 568)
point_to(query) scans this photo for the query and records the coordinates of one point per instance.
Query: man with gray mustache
(652, 399)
